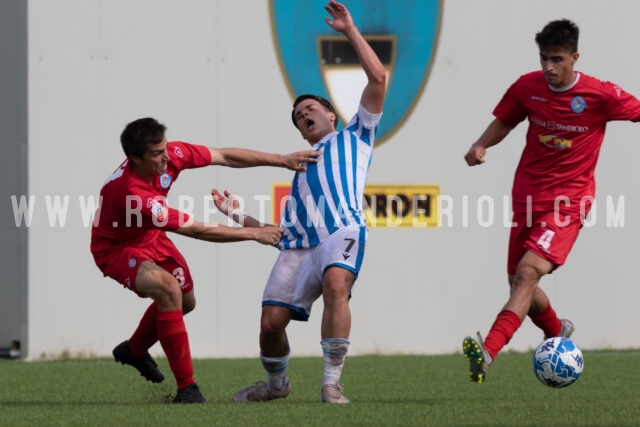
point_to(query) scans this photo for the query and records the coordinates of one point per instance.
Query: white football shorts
(295, 281)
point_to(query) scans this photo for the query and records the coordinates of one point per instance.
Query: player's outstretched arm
(244, 158)
(214, 232)
(231, 206)
(495, 132)
(374, 92)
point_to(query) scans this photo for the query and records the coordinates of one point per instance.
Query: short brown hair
(561, 33)
(137, 134)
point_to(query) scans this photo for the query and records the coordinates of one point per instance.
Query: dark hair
(138, 134)
(326, 104)
(561, 33)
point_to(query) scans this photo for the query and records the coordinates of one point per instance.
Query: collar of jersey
(326, 138)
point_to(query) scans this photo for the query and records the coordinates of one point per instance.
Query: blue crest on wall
(316, 59)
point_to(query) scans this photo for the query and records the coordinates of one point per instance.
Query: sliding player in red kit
(554, 184)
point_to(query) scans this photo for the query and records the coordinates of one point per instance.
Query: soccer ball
(557, 362)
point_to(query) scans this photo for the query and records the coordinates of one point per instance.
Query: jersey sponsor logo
(568, 128)
(157, 210)
(553, 126)
(553, 141)
(315, 59)
(178, 152)
(132, 262)
(578, 104)
(165, 181)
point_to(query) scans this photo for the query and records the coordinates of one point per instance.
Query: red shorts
(122, 263)
(550, 235)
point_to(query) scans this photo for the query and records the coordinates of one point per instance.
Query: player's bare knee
(271, 327)
(168, 294)
(335, 291)
(526, 276)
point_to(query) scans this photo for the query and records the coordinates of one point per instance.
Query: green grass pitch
(384, 391)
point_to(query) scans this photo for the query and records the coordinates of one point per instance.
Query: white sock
(334, 351)
(276, 368)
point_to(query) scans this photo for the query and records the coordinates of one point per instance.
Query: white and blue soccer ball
(558, 362)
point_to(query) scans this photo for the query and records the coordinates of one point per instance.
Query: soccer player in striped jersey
(325, 233)
(554, 184)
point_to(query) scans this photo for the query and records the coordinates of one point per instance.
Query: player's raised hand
(226, 202)
(341, 16)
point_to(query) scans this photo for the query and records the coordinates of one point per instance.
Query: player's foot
(332, 393)
(479, 358)
(147, 367)
(261, 392)
(189, 394)
(567, 328)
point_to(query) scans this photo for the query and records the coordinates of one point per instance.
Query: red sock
(548, 321)
(173, 337)
(506, 324)
(146, 335)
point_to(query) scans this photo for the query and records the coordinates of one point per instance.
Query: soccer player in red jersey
(554, 186)
(129, 240)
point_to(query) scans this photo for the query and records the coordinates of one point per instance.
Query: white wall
(208, 69)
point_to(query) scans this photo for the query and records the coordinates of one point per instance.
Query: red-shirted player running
(129, 241)
(554, 184)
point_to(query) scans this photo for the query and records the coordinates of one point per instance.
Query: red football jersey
(134, 213)
(566, 129)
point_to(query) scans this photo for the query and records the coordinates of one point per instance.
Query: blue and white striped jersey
(328, 196)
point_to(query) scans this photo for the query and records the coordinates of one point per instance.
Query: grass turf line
(384, 390)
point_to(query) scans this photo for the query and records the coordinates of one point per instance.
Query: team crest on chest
(578, 104)
(165, 181)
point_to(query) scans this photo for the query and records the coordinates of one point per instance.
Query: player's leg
(544, 316)
(336, 327)
(146, 335)
(525, 268)
(274, 347)
(525, 284)
(336, 316)
(274, 356)
(188, 302)
(558, 239)
(481, 353)
(341, 258)
(277, 312)
(528, 260)
(165, 289)
(135, 351)
(122, 265)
